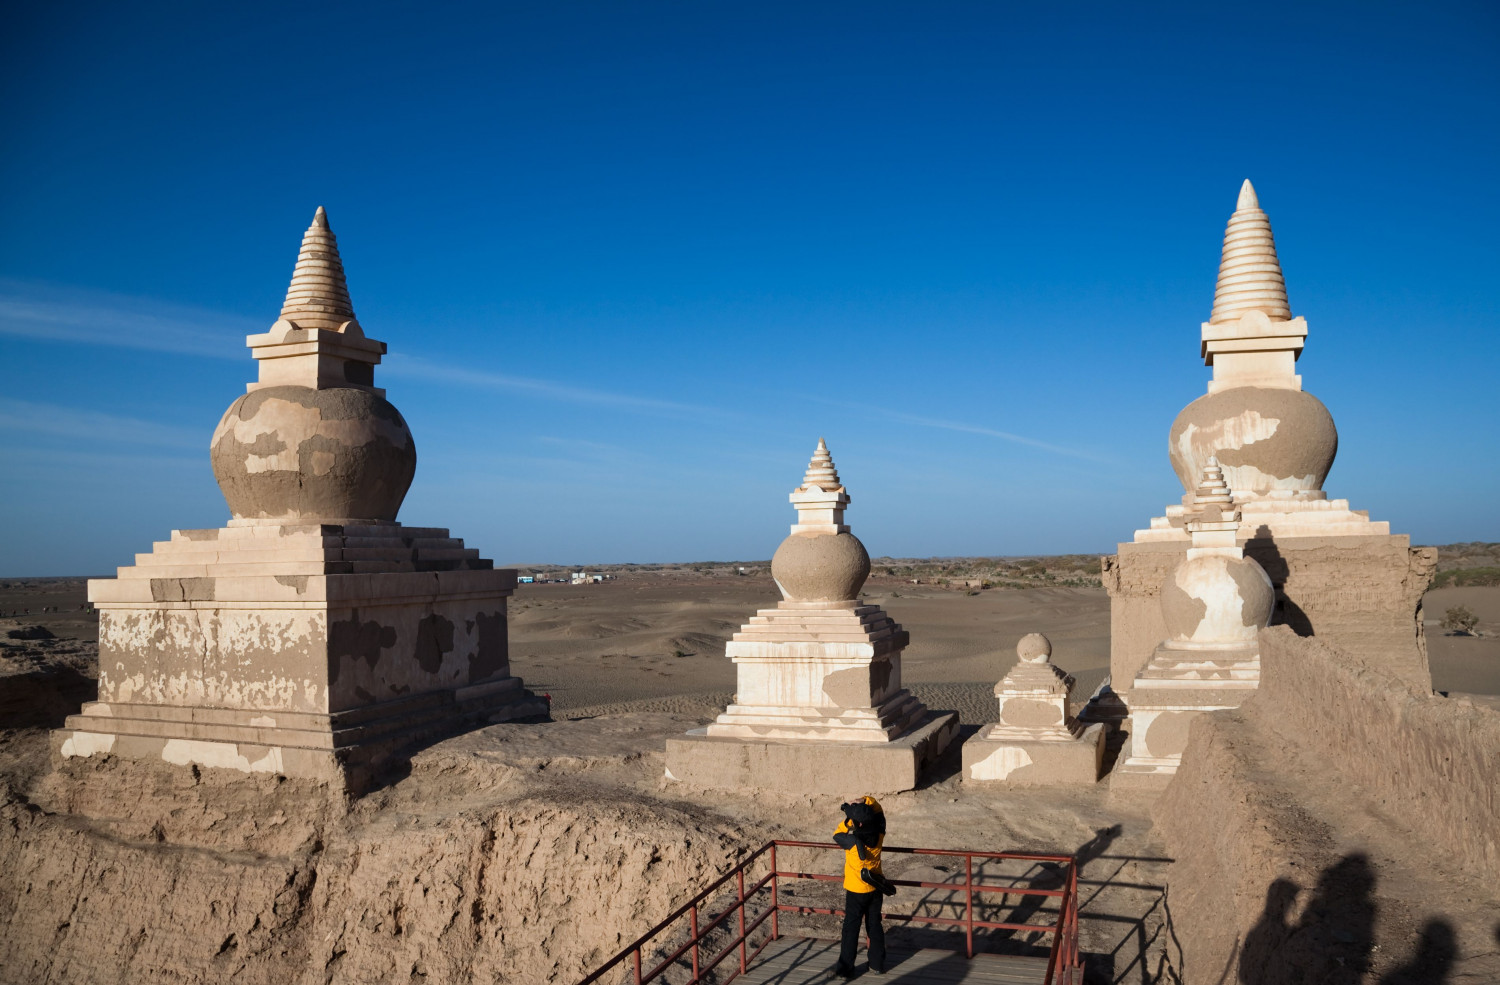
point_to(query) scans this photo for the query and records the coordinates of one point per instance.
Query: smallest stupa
(1214, 605)
(820, 707)
(1036, 741)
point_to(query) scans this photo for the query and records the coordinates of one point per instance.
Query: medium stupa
(1214, 605)
(820, 705)
(1336, 573)
(313, 635)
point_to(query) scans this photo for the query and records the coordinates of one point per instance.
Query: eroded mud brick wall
(1430, 761)
(1239, 824)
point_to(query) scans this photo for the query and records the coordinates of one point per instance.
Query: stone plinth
(1036, 740)
(1159, 720)
(803, 768)
(819, 676)
(313, 635)
(1021, 762)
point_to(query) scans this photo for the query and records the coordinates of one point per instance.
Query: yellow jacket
(859, 857)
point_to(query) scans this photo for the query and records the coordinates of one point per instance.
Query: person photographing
(861, 835)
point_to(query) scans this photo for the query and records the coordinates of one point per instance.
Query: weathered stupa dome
(1217, 595)
(1268, 435)
(314, 439)
(821, 561)
(1265, 438)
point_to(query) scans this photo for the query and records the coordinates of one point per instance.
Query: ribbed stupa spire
(1215, 517)
(318, 296)
(821, 473)
(1249, 272)
(1212, 489)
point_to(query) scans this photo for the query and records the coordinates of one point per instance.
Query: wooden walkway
(806, 961)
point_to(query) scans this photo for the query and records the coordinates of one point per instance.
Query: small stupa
(1036, 740)
(1214, 604)
(313, 635)
(1336, 573)
(819, 704)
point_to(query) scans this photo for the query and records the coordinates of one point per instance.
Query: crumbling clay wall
(140, 874)
(1430, 762)
(1331, 825)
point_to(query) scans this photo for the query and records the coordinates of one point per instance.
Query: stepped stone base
(993, 756)
(344, 749)
(1185, 665)
(306, 649)
(811, 767)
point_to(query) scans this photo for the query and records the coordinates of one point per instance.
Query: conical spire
(1214, 508)
(821, 473)
(1249, 272)
(1212, 489)
(318, 296)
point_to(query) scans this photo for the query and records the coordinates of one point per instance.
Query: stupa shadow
(950, 763)
(1263, 548)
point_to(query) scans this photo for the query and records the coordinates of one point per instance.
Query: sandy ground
(1464, 664)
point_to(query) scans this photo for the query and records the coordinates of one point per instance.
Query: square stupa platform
(301, 649)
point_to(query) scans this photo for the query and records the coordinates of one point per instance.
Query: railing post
(775, 896)
(637, 966)
(742, 921)
(693, 913)
(969, 901)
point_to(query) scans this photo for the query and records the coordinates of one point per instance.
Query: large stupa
(1336, 573)
(313, 635)
(820, 706)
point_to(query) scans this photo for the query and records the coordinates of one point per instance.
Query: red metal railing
(1063, 963)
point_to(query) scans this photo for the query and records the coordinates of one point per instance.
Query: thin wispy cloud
(964, 428)
(80, 316)
(415, 367)
(22, 417)
(49, 313)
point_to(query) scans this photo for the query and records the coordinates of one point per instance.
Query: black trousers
(862, 908)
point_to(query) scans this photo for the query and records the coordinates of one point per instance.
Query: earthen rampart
(1318, 825)
(1428, 761)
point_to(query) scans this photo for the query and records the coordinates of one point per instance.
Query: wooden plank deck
(807, 961)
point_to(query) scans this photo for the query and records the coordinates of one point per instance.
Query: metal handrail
(1063, 964)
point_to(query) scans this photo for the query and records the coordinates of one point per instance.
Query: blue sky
(632, 260)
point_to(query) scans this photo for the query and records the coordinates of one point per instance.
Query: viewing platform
(750, 925)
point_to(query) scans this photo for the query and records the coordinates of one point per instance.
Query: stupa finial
(318, 296)
(1249, 272)
(821, 472)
